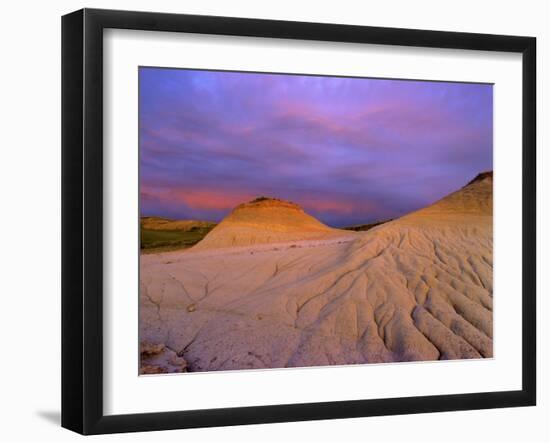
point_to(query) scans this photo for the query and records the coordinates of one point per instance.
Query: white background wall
(30, 218)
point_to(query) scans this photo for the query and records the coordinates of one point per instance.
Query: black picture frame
(82, 218)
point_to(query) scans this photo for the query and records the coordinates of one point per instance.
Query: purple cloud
(348, 150)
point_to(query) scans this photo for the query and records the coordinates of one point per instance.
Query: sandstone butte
(272, 287)
(265, 220)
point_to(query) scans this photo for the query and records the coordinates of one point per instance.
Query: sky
(348, 150)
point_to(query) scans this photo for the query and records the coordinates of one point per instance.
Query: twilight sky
(347, 150)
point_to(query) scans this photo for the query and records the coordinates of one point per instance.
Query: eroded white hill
(417, 288)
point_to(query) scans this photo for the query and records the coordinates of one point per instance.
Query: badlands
(272, 287)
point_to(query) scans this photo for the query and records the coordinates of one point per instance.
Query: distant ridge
(366, 226)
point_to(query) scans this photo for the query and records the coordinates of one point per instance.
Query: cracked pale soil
(270, 291)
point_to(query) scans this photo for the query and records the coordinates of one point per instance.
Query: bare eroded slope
(265, 220)
(416, 288)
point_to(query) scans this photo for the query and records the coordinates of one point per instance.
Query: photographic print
(292, 220)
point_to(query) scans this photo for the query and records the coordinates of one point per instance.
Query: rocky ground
(416, 288)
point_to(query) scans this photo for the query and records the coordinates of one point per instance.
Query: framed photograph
(268, 221)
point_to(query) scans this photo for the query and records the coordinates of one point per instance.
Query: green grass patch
(170, 240)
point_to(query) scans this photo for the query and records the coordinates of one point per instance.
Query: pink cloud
(206, 199)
